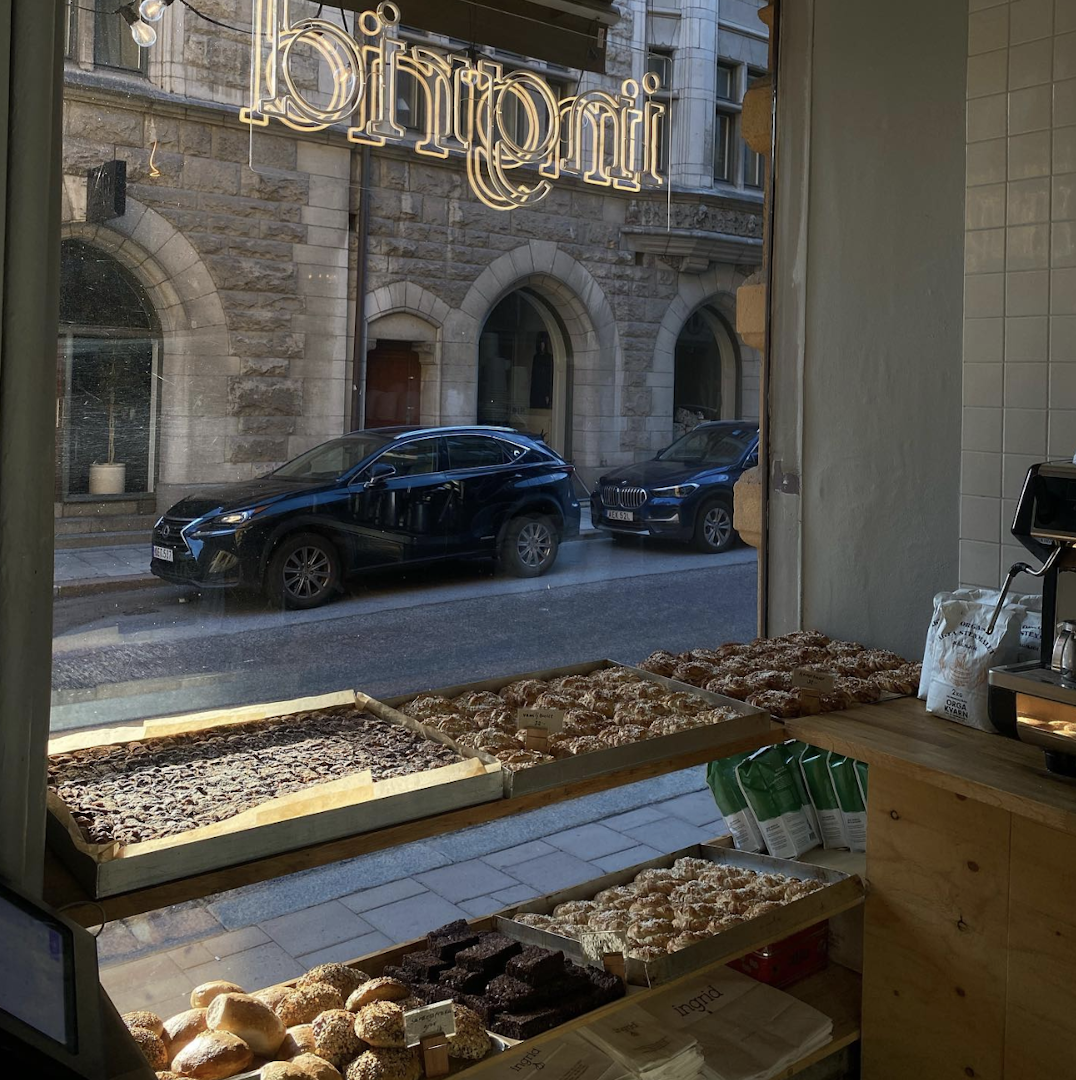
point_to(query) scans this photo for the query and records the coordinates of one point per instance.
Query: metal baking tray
(841, 892)
(109, 869)
(749, 722)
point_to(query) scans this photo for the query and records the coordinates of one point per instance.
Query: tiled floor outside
(275, 930)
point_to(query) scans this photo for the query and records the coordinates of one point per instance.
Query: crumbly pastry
(779, 703)
(378, 990)
(381, 1024)
(576, 912)
(479, 699)
(570, 683)
(584, 721)
(214, 1055)
(625, 735)
(334, 1037)
(514, 760)
(587, 744)
(152, 1046)
(551, 699)
(686, 940)
(646, 952)
(385, 1064)
(618, 896)
(533, 918)
(615, 920)
(652, 906)
(523, 693)
(345, 980)
(660, 663)
(426, 706)
(305, 1002)
(655, 932)
(142, 1018)
(470, 1043)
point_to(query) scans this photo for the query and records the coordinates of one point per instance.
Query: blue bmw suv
(685, 493)
(373, 499)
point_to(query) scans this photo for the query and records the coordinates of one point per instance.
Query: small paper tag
(598, 944)
(436, 1019)
(818, 682)
(542, 719)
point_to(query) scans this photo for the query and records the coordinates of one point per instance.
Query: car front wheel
(713, 527)
(303, 573)
(530, 546)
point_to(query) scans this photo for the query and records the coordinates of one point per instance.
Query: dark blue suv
(685, 493)
(373, 499)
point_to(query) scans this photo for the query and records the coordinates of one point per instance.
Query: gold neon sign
(502, 122)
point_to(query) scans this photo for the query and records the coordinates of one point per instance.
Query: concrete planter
(108, 479)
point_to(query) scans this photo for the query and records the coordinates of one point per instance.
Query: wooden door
(393, 386)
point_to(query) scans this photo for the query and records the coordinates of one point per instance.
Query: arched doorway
(523, 360)
(706, 373)
(107, 375)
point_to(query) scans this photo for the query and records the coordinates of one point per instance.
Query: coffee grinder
(1036, 701)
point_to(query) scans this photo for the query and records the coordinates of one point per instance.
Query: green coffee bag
(721, 776)
(842, 771)
(861, 776)
(771, 791)
(815, 771)
(792, 751)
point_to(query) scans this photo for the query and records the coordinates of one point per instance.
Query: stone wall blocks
(256, 396)
(251, 274)
(543, 254)
(264, 366)
(260, 248)
(253, 344)
(151, 232)
(207, 174)
(267, 425)
(176, 254)
(263, 448)
(279, 186)
(195, 138)
(102, 123)
(287, 231)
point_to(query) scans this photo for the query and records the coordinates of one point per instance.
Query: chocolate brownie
(462, 980)
(400, 974)
(451, 938)
(506, 994)
(478, 1004)
(424, 966)
(534, 965)
(490, 955)
(525, 1025)
(607, 986)
(430, 992)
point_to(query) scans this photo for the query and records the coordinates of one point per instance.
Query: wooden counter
(970, 919)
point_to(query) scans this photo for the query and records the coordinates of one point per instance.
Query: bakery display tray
(749, 722)
(313, 815)
(841, 891)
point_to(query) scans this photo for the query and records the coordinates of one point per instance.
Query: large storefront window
(522, 369)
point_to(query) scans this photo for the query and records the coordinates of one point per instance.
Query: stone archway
(595, 393)
(195, 362)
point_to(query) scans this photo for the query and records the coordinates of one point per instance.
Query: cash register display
(37, 976)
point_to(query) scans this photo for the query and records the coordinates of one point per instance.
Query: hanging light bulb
(153, 10)
(143, 34)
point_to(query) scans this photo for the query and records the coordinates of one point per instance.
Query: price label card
(598, 944)
(436, 1019)
(549, 720)
(818, 682)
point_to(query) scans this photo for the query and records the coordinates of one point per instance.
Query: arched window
(522, 369)
(707, 372)
(106, 420)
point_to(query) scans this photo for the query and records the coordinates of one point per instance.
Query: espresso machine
(1036, 701)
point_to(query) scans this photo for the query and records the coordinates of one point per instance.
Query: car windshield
(332, 459)
(710, 446)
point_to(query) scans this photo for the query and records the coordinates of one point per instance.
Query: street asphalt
(166, 650)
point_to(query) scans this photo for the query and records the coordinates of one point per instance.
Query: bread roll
(152, 1047)
(202, 995)
(272, 995)
(213, 1055)
(252, 1020)
(181, 1028)
(167, 1074)
(304, 1067)
(345, 980)
(144, 1019)
(306, 1002)
(378, 990)
(298, 1040)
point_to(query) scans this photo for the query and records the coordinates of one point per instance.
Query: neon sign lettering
(502, 122)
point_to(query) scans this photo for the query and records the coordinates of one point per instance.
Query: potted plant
(109, 477)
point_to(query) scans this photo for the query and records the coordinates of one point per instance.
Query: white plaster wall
(866, 356)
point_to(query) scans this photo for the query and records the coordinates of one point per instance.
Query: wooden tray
(841, 891)
(748, 721)
(314, 815)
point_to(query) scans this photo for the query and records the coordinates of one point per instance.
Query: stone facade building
(603, 319)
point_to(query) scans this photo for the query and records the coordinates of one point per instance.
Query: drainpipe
(358, 359)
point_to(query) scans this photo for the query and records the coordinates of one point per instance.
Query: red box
(787, 961)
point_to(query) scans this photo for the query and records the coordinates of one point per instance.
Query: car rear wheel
(530, 546)
(303, 573)
(713, 527)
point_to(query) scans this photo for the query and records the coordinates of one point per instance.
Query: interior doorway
(707, 373)
(393, 385)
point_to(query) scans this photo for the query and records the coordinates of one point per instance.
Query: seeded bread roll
(149, 1021)
(335, 1039)
(252, 1020)
(304, 1067)
(213, 1055)
(343, 979)
(306, 1002)
(181, 1028)
(377, 990)
(202, 995)
(470, 1043)
(298, 1040)
(380, 1064)
(152, 1047)
(381, 1024)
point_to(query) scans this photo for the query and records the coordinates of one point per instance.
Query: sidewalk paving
(83, 571)
(263, 933)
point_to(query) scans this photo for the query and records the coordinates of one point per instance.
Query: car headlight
(678, 491)
(221, 522)
(238, 518)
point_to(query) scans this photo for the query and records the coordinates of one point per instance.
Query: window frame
(729, 120)
(103, 11)
(472, 435)
(668, 55)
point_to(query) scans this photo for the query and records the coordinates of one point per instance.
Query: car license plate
(619, 515)
(163, 553)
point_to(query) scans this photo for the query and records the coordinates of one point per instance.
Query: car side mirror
(752, 462)
(379, 473)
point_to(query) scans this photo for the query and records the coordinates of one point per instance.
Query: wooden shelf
(62, 889)
(836, 992)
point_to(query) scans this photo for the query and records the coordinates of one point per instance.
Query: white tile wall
(1020, 260)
